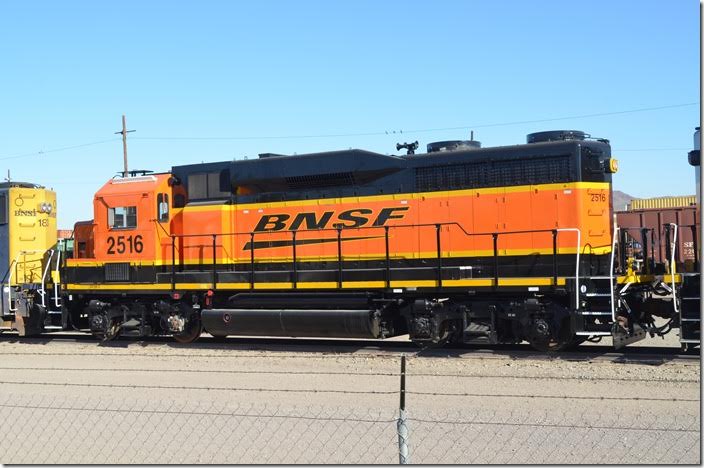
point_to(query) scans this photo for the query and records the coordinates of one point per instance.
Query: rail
(387, 253)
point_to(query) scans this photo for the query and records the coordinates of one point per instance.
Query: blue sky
(216, 71)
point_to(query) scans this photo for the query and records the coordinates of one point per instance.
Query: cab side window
(122, 217)
(162, 207)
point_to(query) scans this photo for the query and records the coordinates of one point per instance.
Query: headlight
(613, 166)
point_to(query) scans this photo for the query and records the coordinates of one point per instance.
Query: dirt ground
(65, 401)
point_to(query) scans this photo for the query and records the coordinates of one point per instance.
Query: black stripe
(356, 270)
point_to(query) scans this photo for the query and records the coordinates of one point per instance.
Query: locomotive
(29, 253)
(461, 244)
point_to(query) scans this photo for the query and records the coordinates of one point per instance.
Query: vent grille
(335, 179)
(117, 272)
(545, 170)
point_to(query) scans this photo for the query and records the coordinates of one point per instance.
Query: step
(588, 312)
(593, 333)
(598, 294)
(690, 320)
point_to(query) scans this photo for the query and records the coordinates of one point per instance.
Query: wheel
(112, 332)
(542, 339)
(192, 331)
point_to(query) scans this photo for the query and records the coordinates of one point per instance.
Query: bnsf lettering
(311, 222)
(355, 217)
(347, 219)
(272, 222)
(387, 214)
(25, 212)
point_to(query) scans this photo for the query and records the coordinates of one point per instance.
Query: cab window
(162, 207)
(122, 217)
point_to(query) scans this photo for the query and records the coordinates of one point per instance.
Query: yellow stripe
(647, 278)
(135, 287)
(528, 282)
(406, 196)
(471, 282)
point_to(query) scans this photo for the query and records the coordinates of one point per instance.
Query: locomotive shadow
(648, 355)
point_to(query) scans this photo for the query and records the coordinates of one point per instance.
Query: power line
(55, 150)
(423, 130)
(377, 133)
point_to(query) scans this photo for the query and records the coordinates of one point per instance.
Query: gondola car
(461, 244)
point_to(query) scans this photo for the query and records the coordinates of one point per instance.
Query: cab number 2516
(125, 244)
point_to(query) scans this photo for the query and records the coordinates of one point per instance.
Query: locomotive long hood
(362, 166)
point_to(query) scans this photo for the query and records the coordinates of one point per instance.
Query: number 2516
(122, 244)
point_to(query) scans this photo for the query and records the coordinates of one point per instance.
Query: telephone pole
(124, 133)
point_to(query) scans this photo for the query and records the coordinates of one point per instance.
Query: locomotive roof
(359, 161)
(275, 177)
(13, 184)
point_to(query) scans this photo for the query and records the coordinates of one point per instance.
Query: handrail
(611, 275)
(673, 267)
(57, 271)
(41, 291)
(576, 273)
(338, 229)
(8, 272)
(9, 279)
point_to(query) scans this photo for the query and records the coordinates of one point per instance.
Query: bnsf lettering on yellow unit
(346, 219)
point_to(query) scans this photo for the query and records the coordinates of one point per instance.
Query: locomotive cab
(123, 246)
(131, 216)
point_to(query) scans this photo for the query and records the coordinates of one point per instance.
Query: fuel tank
(339, 323)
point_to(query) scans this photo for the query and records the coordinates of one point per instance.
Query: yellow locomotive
(29, 259)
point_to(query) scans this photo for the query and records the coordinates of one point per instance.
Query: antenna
(124, 133)
(8, 176)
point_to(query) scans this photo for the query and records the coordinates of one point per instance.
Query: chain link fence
(85, 427)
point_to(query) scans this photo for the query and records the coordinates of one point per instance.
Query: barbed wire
(188, 387)
(558, 397)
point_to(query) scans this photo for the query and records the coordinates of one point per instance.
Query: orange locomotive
(462, 244)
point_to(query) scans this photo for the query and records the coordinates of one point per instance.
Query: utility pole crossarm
(124, 133)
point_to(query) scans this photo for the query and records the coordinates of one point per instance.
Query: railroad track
(388, 348)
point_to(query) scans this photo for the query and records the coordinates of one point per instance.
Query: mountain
(621, 200)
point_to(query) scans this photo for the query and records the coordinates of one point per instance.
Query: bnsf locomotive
(462, 244)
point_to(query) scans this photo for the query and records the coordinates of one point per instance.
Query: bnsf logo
(346, 219)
